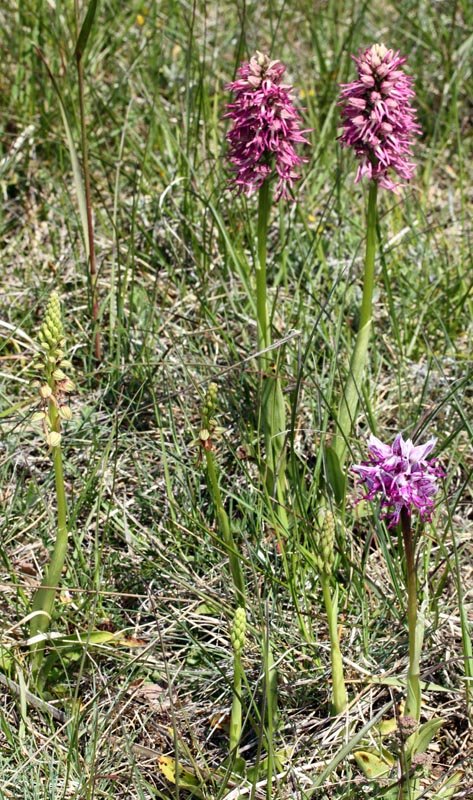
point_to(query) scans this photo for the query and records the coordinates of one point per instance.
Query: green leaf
(334, 474)
(84, 34)
(322, 777)
(176, 774)
(447, 789)
(6, 659)
(95, 637)
(372, 765)
(419, 741)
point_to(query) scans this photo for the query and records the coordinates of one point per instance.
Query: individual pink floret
(379, 121)
(402, 476)
(266, 126)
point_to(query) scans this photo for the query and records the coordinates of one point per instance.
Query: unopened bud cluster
(238, 632)
(325, 541)
(209, 424)
(53, 383)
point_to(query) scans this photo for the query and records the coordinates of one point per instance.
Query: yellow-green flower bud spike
(238, 632)
(50, 365)
(52, 331)
(209, 405)
(326, 541)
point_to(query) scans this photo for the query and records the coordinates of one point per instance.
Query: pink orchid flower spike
(379, 121)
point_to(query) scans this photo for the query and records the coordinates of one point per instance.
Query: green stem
(339, 692)
(273, 404)
(413, 703)
(349, 401)
(264, 330)
(224, 523)
(88, 203)
(236, 716)
(271, 702)
(44, 598)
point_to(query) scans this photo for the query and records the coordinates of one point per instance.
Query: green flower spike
(49, 365)
(238, 633)
(54, 385)
(325, 558)
(326, 541)
(237, 638)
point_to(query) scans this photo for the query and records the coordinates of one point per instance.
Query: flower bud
(59, 375)
(326, 541)
(65, 412)
(53, 438)
(238, 631)
(46, 391)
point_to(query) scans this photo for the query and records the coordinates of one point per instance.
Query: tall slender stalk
(271, 707)
(325, 559)
(339, 692)
(238, 642)
(44, 597)
(236, 713)
(272, 398)
(264, 331)
(79, 53)
(414, 699)
(350, 397)
(225, 528)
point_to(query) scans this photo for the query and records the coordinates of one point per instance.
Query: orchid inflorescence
(378, 118)
(402, 476)
(54, 385)
(266, 128)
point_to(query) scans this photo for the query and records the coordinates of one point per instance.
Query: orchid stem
(264, 331)
(225, 528)
(339, 692)
(273, 404)
(236, 715)
(413, 703)
(44, 598)
(349, 400)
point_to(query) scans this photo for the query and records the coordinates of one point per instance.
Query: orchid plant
(265, 132)
(379, 123)
(405, 480)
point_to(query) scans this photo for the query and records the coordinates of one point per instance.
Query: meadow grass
(141, 660)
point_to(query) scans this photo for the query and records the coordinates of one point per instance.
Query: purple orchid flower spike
(378, 118)
(266, 126)
(402, 476)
